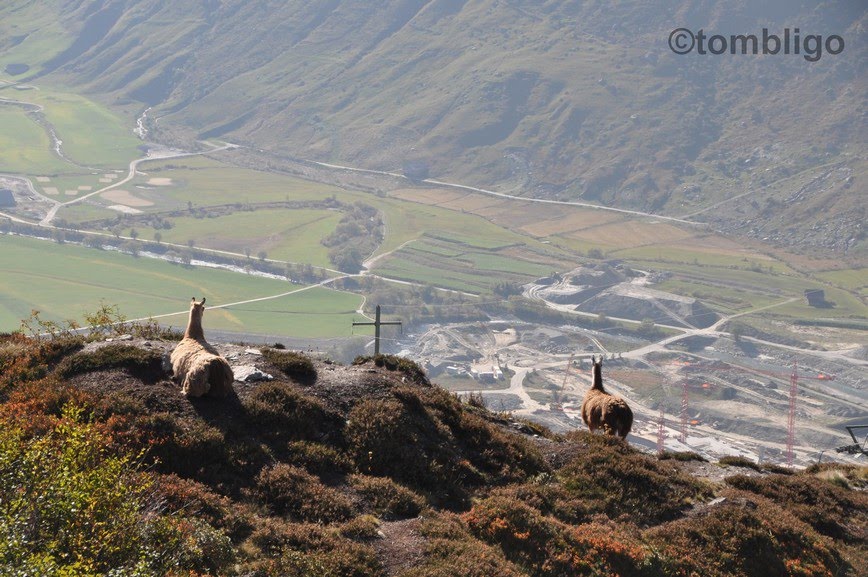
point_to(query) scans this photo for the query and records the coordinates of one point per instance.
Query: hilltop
(560, 100)
(369, 469)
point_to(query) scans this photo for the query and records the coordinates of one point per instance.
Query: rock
(255, 352)
(125, 338)
(167, 363)
(249, 374)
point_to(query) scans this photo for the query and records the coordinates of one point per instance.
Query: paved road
(512, 196)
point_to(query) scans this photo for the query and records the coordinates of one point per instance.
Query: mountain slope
(555, 99)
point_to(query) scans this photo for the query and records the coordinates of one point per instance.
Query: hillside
(368, 469)
(566, 100)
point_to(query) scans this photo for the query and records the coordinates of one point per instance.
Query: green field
(92, 135)
(24, 145)
(66, 281)
(295, 235)
(314, 313)
(290, 235)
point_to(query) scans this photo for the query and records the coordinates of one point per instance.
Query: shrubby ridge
(368, 469)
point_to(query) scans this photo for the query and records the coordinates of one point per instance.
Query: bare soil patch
(125, 197)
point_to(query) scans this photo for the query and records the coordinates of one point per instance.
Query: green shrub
(68, 506)
(292, 491)
(386, 498)
(292, 364)
(112, 356)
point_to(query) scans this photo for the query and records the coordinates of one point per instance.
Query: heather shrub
(344, 558)
(681, 456)
(386, 498)
(279, 412)
(23, 359)
(305, 549)
(292, 364)
(615, 479)
(738, 461)
(548, 547)
(292, 491)
(832, 510)
(135, 359)
(468, 558)
(549, 498)
(426, 440)
(451, 550)
(408, 368)
(317, 458)
(189, 448)
(189, 497)
(362, 528)
(746, 536)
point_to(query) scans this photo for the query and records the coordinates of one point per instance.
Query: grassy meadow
(66, 281)
(24, 145)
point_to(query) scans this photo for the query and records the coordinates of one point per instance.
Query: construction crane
(555, 405)
(855, 448)
(794, 378)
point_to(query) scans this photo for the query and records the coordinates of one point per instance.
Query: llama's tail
(220, 377)
(625, 421)
(196, 381)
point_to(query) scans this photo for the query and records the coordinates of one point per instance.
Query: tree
(262, 255)
(158, 237)
(134, 234)
(737, 331)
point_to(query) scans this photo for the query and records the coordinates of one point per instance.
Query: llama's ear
(203, 300)
(192, 300)
(593, 358)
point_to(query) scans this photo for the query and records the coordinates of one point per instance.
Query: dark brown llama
(600, 410)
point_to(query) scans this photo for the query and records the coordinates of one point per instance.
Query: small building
(816, 297)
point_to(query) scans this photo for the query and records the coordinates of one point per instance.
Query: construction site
(701, 390)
